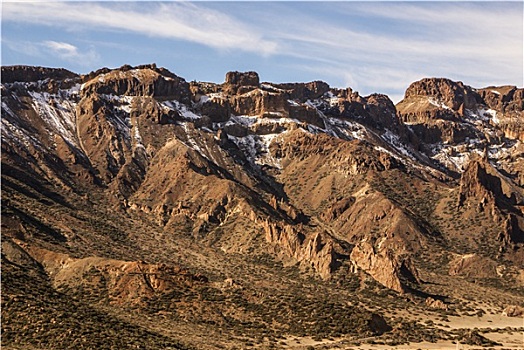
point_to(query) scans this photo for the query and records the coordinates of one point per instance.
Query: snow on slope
(58, 112)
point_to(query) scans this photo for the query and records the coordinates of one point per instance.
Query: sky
(370, 46)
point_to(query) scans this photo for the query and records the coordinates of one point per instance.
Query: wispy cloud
(69, 52)
(478, 43)
(183, 21)
(55, 49)
(64, 50)
(28, 48)
(378, 46)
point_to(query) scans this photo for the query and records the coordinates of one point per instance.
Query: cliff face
(452, 120)
(385, 266)
(509, 100)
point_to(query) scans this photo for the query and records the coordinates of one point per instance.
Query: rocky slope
(137, 185)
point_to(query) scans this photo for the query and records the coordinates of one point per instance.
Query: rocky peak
(484, 189)
(483, 181)
(11, 74)
(242, 78)
(453, 119)
(305, 91)
(502, 97)
(238, 83)
(508, 101)
(145, 80)
(380, 112)
(453, 95)
(28, 78)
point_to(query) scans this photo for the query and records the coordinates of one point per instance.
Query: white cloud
(63, 50)
(71, 53)
(480, 44)
(26, 47)
(55, 49)
(184, 21)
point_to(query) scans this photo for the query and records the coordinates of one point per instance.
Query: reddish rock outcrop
(386, 267)
(11, 74)
(480, 180)
(436, 304)
(261, 103)
(513, 311)
(473, 265)
(124, 282)
(304, 91)
(454, 95)
(101, 138)
(316, 250)
(140, 81)
(508, 101)
(242, 79)
(484, 189)
(238, 83)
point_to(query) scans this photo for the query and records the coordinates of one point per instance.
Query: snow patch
(437, 103)
(394, 140)
(256, 149)
(244, 120)
(181, 109)
(293, 103)
(59, 114)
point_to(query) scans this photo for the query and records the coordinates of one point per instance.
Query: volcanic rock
(513, 311)
(11, 74)
(305, 91)
(384, 266)
(149, 81)
(238, 83)
(453, 95)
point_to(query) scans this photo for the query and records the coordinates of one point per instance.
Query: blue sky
(368, 46)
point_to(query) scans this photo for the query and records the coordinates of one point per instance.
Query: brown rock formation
(149, 108)
(101, 138)
(11, 74)
(384, 266)
(149, 81)
(260, 102)
(125, 282)
(218, 109)
(316, 250)
(508, 101)
(513, 311)
(305, 91)
(436, 304)
(482, 181)
(238, 83)
(473, 265)
(453, 95)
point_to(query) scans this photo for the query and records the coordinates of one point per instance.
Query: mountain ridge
(137, 164)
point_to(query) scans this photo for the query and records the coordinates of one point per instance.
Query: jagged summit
(217, 201)
(11, 74)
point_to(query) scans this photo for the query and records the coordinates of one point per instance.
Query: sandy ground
(510, 342)
(442, 345)
(510, 339)
(486, 321)
(514, 340)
